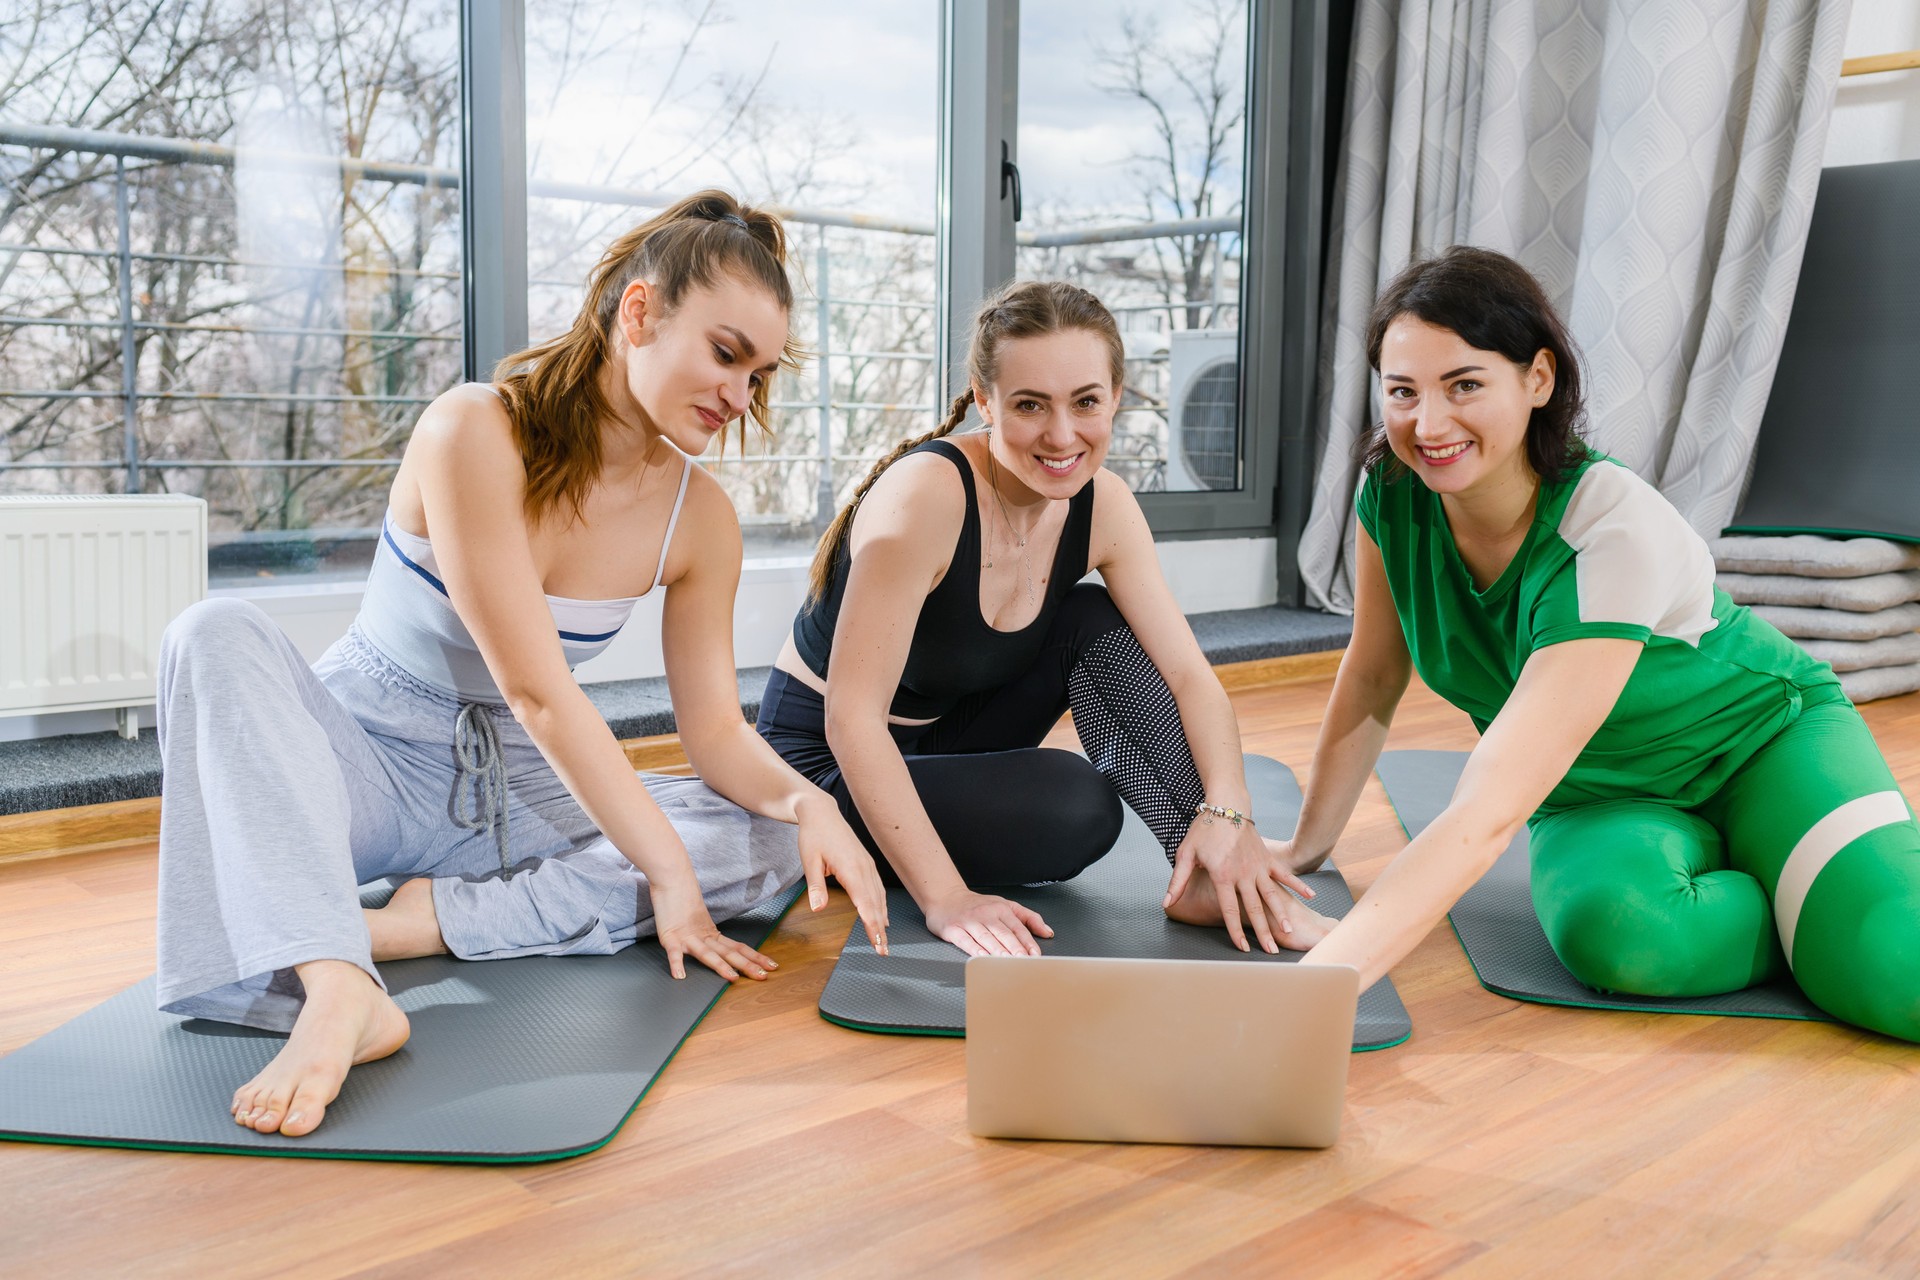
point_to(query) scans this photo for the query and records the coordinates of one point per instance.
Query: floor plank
(1502, 1139)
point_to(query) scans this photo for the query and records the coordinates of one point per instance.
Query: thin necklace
(993, 482)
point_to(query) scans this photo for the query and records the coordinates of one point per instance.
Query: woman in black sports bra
(945, 635)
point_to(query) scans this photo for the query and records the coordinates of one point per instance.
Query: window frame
(493, 181)
(978, 112)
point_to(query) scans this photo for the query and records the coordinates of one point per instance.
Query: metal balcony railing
(125, 147)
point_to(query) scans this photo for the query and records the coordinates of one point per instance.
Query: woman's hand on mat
(981, 924)
(1247, 880)
(1301, 926)
(828, 847)
(686, 929)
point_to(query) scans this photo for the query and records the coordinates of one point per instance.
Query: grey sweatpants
(285, 787)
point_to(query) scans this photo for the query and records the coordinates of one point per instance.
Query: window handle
(1009, 177)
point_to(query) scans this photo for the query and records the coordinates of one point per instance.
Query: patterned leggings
(1008, 810)
(1808, 858)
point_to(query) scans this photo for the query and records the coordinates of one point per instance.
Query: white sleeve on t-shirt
(1635, 560)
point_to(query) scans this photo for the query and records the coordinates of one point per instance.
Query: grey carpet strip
(1110, 909)
(97, 768)
(510, 1061)
(1501, 935)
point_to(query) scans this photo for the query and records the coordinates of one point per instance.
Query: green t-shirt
(1606, 556)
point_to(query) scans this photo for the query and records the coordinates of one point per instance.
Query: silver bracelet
(1212, 811)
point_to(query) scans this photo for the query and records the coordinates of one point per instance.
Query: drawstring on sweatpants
(480, 778)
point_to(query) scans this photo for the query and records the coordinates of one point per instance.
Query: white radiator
(87, 584)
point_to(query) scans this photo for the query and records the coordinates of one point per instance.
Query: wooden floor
(1502, 1139)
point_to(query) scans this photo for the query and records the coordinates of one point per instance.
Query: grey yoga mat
(1835, 453)
(510, 1061)
(1501, 935)
(1110, 909)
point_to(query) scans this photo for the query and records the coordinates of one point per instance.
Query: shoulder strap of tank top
(686, 473)
(952, 453)
(1076, 537)
(968, 544)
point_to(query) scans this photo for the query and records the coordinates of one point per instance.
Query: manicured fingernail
(818, 900)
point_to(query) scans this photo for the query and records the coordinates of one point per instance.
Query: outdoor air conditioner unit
(1203, 409)
(87, 584)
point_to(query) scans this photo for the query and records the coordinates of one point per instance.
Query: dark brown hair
(1494, 304)
(1030, 309)
(552, 390)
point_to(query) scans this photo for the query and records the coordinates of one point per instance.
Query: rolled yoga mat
(510, 1061)
(1501, 935)
(1110, 909)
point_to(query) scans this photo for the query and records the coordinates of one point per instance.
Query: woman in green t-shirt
(1707, 810)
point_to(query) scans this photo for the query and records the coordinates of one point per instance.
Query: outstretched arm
(901, 542)
(703, 575)
(1367, 690)
(1564, 694)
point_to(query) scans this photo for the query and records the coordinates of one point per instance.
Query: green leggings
(1808, 857)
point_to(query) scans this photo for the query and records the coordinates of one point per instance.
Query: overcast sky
(868, 67)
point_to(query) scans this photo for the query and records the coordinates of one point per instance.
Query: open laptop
(1188, 1051)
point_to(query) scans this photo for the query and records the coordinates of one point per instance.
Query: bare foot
(347, 1020)
(1198, 904)
(407, 926)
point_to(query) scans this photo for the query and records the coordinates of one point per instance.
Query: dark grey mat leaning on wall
(1501, 935)
(1835, 453)
(1110, 909)
(511, 1061)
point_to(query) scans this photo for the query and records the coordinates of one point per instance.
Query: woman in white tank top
(444, 740)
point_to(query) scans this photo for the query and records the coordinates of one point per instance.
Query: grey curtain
(1653, 162)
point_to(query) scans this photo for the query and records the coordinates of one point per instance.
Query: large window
(229, 258)
(232, 254)
(1131, 133)
(825, 109)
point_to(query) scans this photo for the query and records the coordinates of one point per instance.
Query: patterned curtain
(1654, 163)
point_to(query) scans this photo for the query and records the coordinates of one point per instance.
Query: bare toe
(267, 1112)
(309, 1107)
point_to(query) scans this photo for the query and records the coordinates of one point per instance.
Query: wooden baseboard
(95, 828)
(91, 828)
(659, 754)
(1267, 671)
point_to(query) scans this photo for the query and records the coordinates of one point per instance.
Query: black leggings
(1010, 811)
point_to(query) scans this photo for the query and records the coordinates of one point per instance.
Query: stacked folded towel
(1850, 602)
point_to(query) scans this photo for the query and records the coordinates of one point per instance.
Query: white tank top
(407, 615)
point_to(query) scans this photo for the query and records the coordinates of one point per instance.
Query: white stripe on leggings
(1817, 848)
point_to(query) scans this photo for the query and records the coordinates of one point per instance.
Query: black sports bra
(955, 651)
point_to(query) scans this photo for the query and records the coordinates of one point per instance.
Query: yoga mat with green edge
(1501, 935)
(510, 1061)
(1110, 909)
